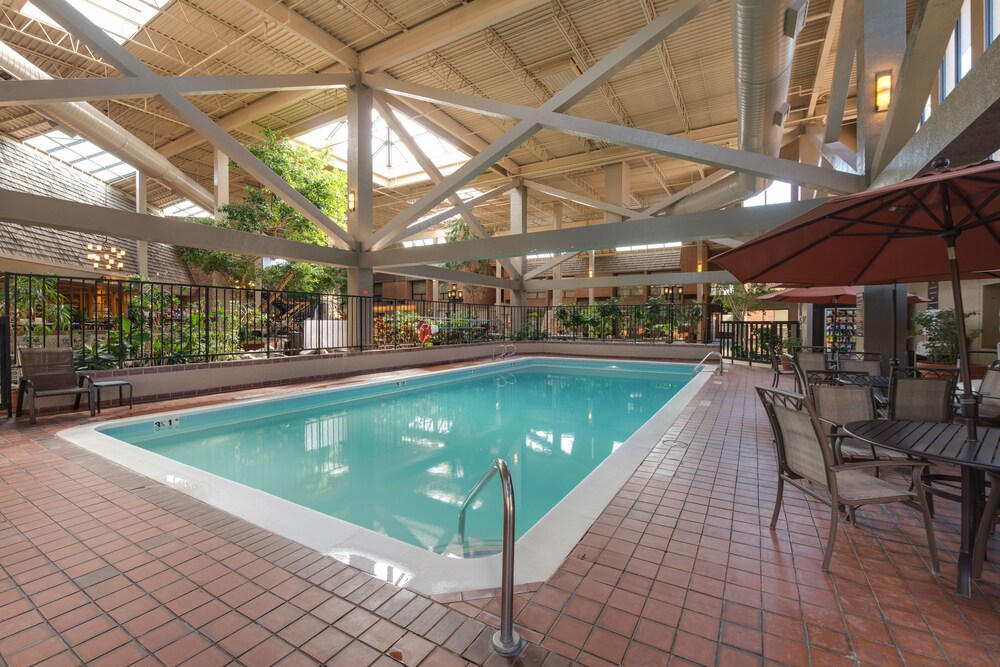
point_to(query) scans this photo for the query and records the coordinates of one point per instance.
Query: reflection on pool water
(400, 457)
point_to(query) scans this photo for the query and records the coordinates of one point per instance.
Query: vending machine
(840, 329)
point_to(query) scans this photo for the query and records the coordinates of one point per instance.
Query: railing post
(204, 316)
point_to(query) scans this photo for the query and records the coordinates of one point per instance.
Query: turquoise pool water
(399, 457)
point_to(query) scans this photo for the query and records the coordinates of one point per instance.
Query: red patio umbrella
(944, 225)
(840, 295)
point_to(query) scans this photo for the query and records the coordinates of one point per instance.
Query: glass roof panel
(185, 208)
(390, 158)
(82, 154)
(119, 18)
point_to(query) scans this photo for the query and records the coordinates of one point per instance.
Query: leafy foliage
(740, 299)
(940, 329)
(264, 212)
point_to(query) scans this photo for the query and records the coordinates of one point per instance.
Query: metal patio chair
(776, 368)
(50, 372)
(989, 396)
(866, 362)
(806, 461)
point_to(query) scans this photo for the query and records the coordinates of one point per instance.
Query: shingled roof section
(25, 169)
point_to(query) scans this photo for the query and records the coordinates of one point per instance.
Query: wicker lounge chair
(806, 461)
(50, 372)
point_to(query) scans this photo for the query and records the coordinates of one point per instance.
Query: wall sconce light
(352, 201)
(883, 90)
(701, 267)
(455, 294)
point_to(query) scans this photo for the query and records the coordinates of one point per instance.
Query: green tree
(264, 212)
(740, 299)
(458, 230)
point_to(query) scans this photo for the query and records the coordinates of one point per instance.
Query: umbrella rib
(974, 210)
(871, 260)
(802, 250)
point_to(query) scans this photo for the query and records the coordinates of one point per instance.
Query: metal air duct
(89, 123)
(763, 68)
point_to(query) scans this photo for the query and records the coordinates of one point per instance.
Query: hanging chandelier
(107, 258)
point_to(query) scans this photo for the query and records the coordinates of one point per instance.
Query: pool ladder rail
(503, 351)
(708, 356)
(506, 641)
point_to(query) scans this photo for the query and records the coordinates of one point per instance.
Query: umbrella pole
(894, 363)
(967, 400)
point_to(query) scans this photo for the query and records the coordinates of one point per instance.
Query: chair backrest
(989, 408)
(830, 377)
(48, 368)
(872, 366)
(921, 398)
(842, 403)
(810, 360)
(799, 438)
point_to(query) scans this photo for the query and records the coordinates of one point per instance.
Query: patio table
(946, 443)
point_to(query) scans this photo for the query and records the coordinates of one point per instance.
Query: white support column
(557, 214)
(360, 281)
(499, 291)
(808, 154)
(220, 181)
(616, 192)
(881, 45)
(590, 274)
(518, 225)
(141, 247)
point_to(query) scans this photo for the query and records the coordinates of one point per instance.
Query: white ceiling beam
(452, 276)
(714, 177)
(441, 216)
(36, 210)
(580, 199)
(126, 63)
(441, 125)
(689, 227)
(963, 128)
(84, 89)
(444, 28)
(632, 49)
(847, 45)
(927, 42)
(305, 29)
(832, 29)
(309, 124)
(549, 265)
(434, 173)
(654, 142)
(243, 116)
(631, 280)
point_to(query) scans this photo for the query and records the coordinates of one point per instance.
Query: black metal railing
(755, 341)
(114, 323)
(6, 375)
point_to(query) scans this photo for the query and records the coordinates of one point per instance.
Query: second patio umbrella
(944, 225)
(841, 295)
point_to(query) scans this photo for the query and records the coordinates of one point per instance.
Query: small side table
(121, 384)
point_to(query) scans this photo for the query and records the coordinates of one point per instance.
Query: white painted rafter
(632, 49)
(84, 89)
(688, 227)
(433, 172)
(121, 59)
(654, 142)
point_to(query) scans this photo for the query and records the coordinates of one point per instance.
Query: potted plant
(785, 347)
(939, 329)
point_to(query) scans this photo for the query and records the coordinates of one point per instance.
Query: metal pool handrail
(504, 352)
(506, 641)
(713, 353)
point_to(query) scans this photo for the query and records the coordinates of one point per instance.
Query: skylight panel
(119, 18)
(390, 157)
(81, 154)
(185, 208)
(648, 246)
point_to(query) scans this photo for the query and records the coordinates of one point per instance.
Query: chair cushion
(855, 485)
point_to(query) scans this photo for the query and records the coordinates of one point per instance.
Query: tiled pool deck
(101, 566)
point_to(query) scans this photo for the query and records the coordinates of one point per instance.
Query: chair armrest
(880, 464)
(25, 383)
(86, 379)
